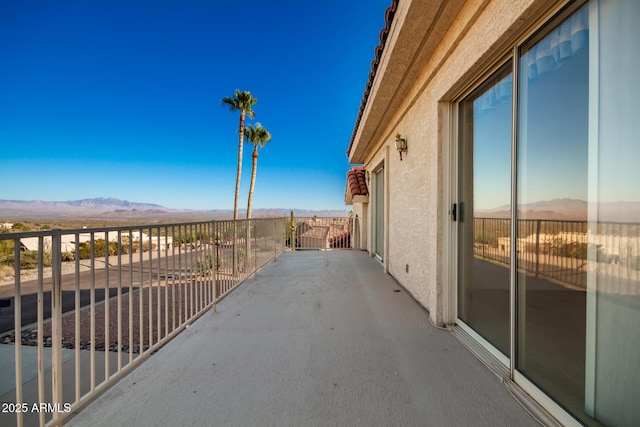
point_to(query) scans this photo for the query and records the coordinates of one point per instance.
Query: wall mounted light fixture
(401, 145)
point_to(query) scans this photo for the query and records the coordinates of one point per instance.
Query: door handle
(454, 211)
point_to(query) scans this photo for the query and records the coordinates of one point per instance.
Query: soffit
(418, 27)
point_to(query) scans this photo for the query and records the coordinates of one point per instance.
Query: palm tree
(241, 101)
(258, 136)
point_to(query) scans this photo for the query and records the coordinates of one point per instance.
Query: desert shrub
(487, 238)
(136, 247)
(6, 259)
(68, 256)
(6, 249)
(183, 237)
(573, 250)
(28, 259)
(146, 246)
(5, 272)
(581, 251)
(264, 229)
(99, 249)
(191, 236)
(202, 267)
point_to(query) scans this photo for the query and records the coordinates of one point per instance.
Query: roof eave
(399, 64)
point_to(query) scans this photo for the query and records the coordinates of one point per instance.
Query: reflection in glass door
(484, 209)
(575, 256)
(552, 195)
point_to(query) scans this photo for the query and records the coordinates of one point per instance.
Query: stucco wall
(359, 241)
(417, 215)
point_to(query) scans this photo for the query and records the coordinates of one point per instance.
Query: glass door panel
(552, 196)
(577, 218)
(613, 296)
(484, 209)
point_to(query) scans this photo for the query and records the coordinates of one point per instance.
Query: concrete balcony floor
(315, 339)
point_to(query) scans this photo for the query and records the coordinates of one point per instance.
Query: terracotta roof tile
(335, 232)
(316, 233)
(357, 181)
(389, 14)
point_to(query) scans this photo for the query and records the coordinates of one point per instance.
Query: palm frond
(240, 101)
(257, 135)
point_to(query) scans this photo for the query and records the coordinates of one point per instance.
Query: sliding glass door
(552, 195)
(552, 286)
(484, 207)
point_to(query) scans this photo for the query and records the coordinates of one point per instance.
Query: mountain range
(568, 210)
(115, 209)
(111, 208)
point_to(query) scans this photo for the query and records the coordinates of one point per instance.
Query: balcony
(315, 338)
(320, 337)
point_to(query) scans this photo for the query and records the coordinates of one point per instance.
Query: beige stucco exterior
(360, 215)
(435, 51)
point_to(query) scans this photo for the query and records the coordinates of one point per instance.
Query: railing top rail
(23, 234)
(251, 219)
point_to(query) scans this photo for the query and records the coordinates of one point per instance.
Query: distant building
(321, 233)
(68, 241)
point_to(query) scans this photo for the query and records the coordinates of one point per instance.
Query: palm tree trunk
(239, 172)
(237, 196)
(254, 167)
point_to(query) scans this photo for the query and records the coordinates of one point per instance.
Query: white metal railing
(102, 300)
(565, 251)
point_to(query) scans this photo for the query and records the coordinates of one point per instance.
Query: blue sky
(122, 98)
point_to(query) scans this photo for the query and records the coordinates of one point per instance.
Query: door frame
(379, 213)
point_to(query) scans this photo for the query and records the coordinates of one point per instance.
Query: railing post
(216, 262)
(17, 313)
(56, 320)
(247, 256)
(537, 247)
(292, 242)
(235, 249)
(484, 237)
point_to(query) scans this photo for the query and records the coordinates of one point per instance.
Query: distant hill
(23, 209)
(116, 209)
(564, 209)
(111, 203)
(568, 210)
